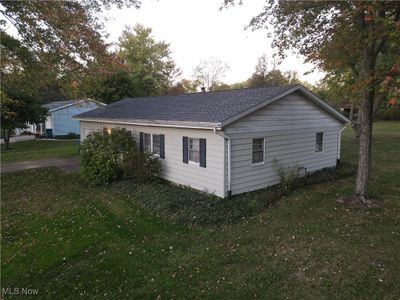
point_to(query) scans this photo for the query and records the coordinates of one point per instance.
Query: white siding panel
(210, 179)
(293, 111)
(289, 127)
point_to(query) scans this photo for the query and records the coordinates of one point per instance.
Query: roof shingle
(214, 107)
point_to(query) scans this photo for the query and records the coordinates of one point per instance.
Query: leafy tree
(48, 56)
(265, 77)
(15, 114)
(63, 35)
(209, 73)
(360, 35)
(148, 62)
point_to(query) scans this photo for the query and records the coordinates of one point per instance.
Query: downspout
(222, 134)
(339, 146)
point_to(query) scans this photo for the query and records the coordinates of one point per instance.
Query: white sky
(197, 30)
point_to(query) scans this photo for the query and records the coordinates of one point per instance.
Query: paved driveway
(68, 165)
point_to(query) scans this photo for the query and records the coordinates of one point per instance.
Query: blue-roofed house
(60, 123)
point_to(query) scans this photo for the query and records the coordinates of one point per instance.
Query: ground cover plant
(70, 241)
(39, 149)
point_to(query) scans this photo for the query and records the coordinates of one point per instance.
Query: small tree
(16, 113)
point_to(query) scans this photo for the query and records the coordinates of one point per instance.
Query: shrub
(141, 167)
(102, 155)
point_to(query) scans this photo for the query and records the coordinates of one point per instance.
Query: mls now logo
(9, 291)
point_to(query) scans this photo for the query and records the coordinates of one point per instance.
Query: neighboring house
(226, 142)
(60, 122)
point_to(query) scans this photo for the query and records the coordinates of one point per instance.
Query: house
(226, 142)
(60, 122)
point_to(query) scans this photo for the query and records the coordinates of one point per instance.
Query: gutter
(153, 123)
(339, 145)
(217, 130)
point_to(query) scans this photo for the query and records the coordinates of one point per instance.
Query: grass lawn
(70, 241)
(38, 149)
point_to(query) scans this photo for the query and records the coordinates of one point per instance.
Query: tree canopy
(209, 73)
(360, 37)
(148, 61)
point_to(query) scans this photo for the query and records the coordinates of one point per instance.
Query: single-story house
(60, 122)
(227, 142)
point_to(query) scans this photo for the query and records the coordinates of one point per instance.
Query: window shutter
(185, 149)
(203, 147)
(162, 146)
(141, 141)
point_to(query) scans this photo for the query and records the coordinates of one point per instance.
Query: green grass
(68, 240)
(38, 149)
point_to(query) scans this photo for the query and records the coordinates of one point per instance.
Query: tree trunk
(365, 140)
(6, 138)
(365, 119)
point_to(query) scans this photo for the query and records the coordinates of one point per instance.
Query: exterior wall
(289, 126)
(62, 121)
(209, 179)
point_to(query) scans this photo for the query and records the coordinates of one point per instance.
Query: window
(194, 150)
(319, 142)
(147, 142)
(156, 144)
(258, 151)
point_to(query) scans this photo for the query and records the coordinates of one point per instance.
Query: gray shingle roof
(213, 107)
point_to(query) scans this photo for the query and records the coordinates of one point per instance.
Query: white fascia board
(77, 102)
(155, 123)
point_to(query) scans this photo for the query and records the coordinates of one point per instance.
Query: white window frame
(152, 145)
(192, 162)
(144, 142)
(263, 148)
(322, 142)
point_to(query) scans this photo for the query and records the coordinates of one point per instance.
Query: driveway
(19, 138)
(68, 165)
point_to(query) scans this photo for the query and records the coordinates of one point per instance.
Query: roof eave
(74, 103)
(153, 123)
(300, 88)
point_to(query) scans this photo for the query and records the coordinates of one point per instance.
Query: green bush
(102, 155)
(141, 167)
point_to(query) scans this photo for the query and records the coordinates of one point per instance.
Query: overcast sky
(197, 30)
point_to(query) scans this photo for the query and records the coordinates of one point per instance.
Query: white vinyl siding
(289, 127)
(209, 179)
(293, 111)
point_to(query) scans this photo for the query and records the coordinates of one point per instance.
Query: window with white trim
(194, 150)
(319, 142)
(156, 144)
(257, 151)
(147, 142)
